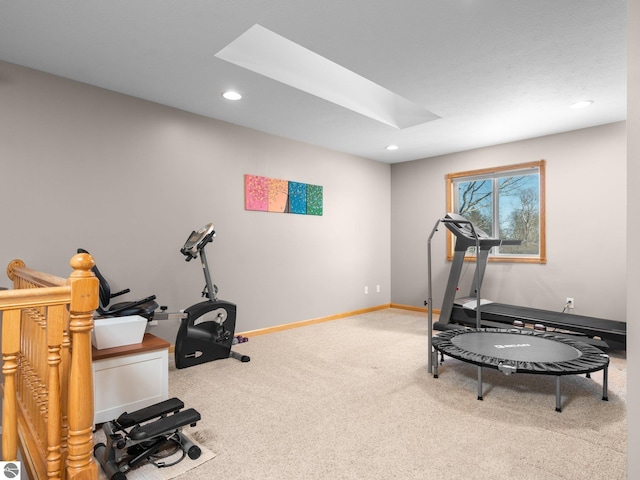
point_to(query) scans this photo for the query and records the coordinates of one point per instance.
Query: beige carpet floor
(352, 399)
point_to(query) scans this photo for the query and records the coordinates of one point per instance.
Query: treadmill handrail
(446, 221)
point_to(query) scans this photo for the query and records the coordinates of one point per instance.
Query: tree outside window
(505, 202)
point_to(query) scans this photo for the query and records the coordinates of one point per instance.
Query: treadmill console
(460, 226)
(465, 237)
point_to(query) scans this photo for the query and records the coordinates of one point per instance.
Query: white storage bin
(118, 331)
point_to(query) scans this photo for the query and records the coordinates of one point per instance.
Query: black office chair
(145, 307)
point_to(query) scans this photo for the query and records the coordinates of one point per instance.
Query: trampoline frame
(591, 359)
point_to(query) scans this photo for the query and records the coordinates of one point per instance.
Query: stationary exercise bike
(207, 328)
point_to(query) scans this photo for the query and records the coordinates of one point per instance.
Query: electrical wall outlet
(378, 288)
(571, 302)
(366, 290)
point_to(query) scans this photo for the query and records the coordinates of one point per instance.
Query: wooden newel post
(10, 347)
(84, 301)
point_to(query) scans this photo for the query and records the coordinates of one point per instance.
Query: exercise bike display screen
(193, 243)
(192, 240)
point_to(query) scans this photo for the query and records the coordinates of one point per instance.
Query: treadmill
(462, 311)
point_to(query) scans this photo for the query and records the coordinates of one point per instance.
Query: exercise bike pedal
(163, 408)
(223, 337)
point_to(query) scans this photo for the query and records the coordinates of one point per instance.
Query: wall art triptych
(283, 196)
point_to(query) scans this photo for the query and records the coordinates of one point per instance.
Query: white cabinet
(128, 378)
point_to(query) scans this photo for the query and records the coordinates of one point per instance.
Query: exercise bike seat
(164, 424)
(165, 407)
(144, 307)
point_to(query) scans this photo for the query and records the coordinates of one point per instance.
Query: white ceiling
(494, 71)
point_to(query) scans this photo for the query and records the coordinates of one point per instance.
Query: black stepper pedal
(167, 406)
(163, 425)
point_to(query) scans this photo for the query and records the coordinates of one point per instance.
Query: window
(505, 202)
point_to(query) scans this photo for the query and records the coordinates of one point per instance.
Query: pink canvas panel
(256, 193)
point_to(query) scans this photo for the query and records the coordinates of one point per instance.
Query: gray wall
(586, 224)
(633, 233)
(129, 180)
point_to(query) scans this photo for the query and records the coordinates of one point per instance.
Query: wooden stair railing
(48, 380)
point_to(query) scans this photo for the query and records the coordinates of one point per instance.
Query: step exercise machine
(462, 311)
(148, 435)
(206, 332)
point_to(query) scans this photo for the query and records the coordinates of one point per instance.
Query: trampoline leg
(605, 377)
(558, 396)
(479, 383)
(434, 356)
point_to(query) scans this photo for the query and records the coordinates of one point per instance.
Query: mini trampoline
(521, 351)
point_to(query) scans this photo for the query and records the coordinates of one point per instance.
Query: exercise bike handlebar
(197, 241)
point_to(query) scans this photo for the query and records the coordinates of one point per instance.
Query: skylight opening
(271, 55)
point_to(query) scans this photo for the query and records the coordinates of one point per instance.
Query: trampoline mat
(528, 351)
(512, 346)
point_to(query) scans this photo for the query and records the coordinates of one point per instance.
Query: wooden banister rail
(48, 387)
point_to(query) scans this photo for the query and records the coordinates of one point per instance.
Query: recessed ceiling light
(582, 104)
(231, 95)
(392, 147)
